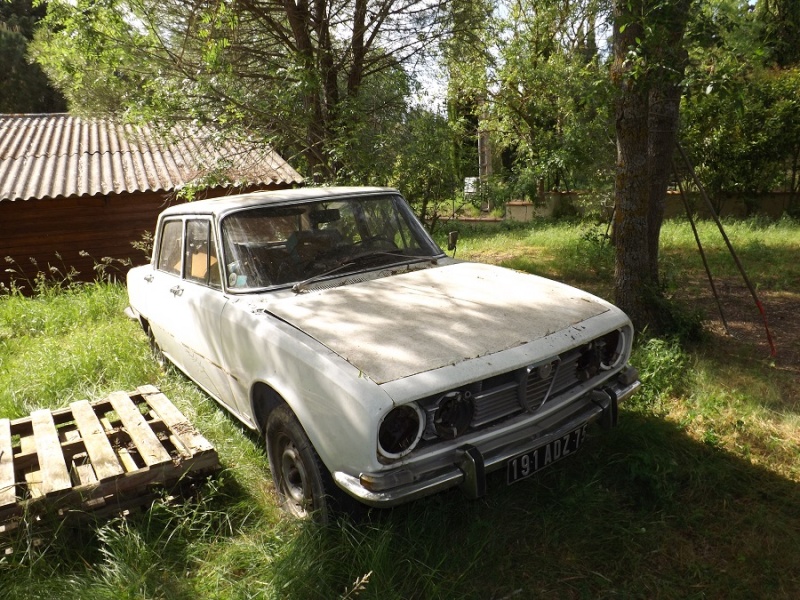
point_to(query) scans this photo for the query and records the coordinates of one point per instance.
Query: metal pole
(773, 351)
(700, 248)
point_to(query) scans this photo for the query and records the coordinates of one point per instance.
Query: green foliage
(78, 46)
(423, 169)
(324, 82)
(373, 131)
(25, 87)
(21, 16)
(781, 30)
(552, 111)
(746, 137)
(740, 114)
(532, 76)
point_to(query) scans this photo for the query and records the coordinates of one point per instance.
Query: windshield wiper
(354, 261)
(301, 285)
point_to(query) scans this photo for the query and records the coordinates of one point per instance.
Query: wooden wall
(102, 226)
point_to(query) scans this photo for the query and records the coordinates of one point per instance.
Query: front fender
(338, 406)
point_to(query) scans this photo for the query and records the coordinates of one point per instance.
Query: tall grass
(67, 345)
(694, 495)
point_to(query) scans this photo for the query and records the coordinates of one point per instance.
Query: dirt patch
(746, 335)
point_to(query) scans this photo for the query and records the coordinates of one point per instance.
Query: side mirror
(452, 240)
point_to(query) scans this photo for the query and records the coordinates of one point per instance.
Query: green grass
(694, 495)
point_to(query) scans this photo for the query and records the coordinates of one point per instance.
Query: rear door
(164, 284)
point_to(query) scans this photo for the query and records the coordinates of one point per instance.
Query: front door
(188, 302)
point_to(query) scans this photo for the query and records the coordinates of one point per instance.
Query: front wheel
(301, 480)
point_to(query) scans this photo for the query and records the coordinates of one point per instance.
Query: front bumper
(467, 466)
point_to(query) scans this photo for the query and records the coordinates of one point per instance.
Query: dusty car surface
(378, 368)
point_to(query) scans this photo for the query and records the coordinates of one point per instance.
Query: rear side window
(169, 250)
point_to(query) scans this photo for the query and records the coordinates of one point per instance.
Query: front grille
(495, 404)
(536, 391)
(527, 389)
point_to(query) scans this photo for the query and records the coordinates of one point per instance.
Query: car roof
(223, 204)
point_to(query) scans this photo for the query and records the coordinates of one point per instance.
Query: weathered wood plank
(8, 487)
(54, 472)
(33, 477)
(100, 452)
(139, 481)
(147, 443)
(127, 460)
(178, 424)
(84, 473)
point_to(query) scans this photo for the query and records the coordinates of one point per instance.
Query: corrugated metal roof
(57, 155)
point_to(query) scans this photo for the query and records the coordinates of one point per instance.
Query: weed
(45, 282)
(145, 245)
(595, 252)
(108, 268)
(665, 372)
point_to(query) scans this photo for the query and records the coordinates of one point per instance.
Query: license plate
(525, 465)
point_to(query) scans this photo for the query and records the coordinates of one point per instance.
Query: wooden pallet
(97, 456)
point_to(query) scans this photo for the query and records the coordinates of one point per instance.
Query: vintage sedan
(378, 368)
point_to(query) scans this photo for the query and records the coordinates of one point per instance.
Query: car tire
(303, 484)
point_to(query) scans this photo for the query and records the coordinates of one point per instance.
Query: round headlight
(400, 431)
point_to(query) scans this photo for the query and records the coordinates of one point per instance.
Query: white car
(378, 368)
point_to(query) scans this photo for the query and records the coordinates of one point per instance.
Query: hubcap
(294, 480)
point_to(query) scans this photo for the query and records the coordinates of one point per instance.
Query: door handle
(176, 291)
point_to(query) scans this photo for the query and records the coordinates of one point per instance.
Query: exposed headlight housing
(601, 354)
(611, 348)
(453, 414)
(400, 431)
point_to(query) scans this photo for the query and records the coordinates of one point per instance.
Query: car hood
(398, 326)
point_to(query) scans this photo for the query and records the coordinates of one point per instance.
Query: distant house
(85, 189)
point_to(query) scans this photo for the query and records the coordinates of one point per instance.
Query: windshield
(283, 245)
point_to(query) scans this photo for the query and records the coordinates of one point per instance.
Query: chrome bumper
(468, 465)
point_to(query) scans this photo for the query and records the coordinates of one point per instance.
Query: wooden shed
(75, 191)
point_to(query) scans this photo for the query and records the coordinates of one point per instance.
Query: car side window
(200, 254)
(169, 251)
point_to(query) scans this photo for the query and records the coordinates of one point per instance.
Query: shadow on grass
(644, 512)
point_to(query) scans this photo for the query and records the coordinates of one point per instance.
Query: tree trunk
(300, 22)
(669, 59)
(632, 276)
(649, 62)
(632, 192)
(359, 51)
(663, 117)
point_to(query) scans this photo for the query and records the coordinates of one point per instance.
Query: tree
(296, 73)
(552, 98)
(781, 20)
(423, 166)
(25, 87)
(649, 64)
(465, 58)
(531, 74)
